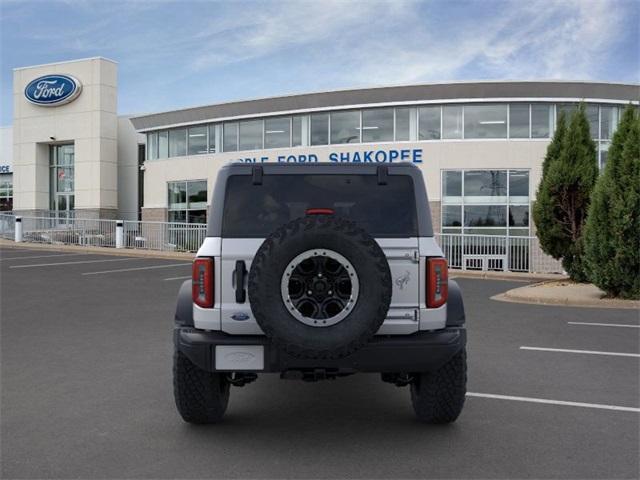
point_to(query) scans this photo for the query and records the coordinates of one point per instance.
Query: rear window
(257, 210)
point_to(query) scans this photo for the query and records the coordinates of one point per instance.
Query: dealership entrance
(61, 180)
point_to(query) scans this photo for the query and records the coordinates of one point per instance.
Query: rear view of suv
(316, 272)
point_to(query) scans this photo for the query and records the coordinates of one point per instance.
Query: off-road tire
(438, 397)
(318, 232)
(201, 397)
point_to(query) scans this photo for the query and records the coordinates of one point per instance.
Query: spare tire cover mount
(320, 287)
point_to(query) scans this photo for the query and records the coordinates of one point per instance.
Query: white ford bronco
(316, 272)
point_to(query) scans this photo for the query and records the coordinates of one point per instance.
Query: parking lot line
(41, 256)
(74, 263)
(554, 402)
(605, 324)
(177, 278)
(152, 267)
(588, 352)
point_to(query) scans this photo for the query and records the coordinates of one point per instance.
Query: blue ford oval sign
(53, 90)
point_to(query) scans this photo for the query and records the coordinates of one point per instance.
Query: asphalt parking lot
(86, 390)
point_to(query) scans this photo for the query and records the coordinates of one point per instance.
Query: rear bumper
(419, 352)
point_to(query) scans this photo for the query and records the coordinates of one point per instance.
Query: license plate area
(238, 358)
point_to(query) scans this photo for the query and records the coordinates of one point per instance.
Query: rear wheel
(438, 397)
(201, 396)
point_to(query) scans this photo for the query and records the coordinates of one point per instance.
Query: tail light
(437, 282)
(202, 282)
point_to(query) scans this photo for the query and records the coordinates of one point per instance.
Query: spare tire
(320, 287)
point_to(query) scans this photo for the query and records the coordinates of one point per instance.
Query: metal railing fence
(466, 252)
(69, 231)
(164, 236)
(496, 253)
(7, 226)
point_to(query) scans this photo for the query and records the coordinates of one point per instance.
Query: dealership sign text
(53, 90)
(393, 155)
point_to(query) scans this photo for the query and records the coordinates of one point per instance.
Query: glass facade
(403, 124)
(320, 129)
(429, 123)
(486, 202)
(187, 201)
(6, 192)
(277, 132)
(197, 140)
(62, 179)
(345, 127)
(485, 121)
(178, 142)
(452, 121)
(519, 120)
(477, 121)
(230, 137)
(377, 125)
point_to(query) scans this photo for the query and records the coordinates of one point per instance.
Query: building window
(6, 192)
(61, 179)
(486, 202)
(482, 186)
(519, 120)
(485, 121)
(592, 117)
(163, 144)
(277, 132)
(197, 140)
(377, 125)
(320, 129)
(604, 152)
(452, 186)
(345, 127)
(608, 122)
(541, 120)
(178, 142)
(519, 186)
(296, 131)
(452, 122)
(152, 146)
(429, 123)
(403, 124)
(212, 138)
(230, 137)
(251, 135)
(187, 201)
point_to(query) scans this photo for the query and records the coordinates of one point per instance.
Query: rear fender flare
(184, 306)
(455, 305)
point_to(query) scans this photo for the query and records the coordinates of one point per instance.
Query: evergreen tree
(563, 197)
(612, 233)
(548, 231)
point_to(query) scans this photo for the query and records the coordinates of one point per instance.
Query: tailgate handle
(240, 272)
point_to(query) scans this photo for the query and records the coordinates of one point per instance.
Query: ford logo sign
(53, 90)
(240, 316)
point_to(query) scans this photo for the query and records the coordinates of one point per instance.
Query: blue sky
(179, 54)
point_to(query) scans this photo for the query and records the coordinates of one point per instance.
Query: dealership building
(479, 145)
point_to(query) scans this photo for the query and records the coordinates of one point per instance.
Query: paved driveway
(86, 390)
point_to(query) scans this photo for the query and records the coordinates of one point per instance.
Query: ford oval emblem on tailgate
(240, 316)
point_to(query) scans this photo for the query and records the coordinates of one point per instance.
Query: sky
(176, 54)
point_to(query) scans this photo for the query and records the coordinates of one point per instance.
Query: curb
(512, 296)
(510, 276)
(125, 252)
